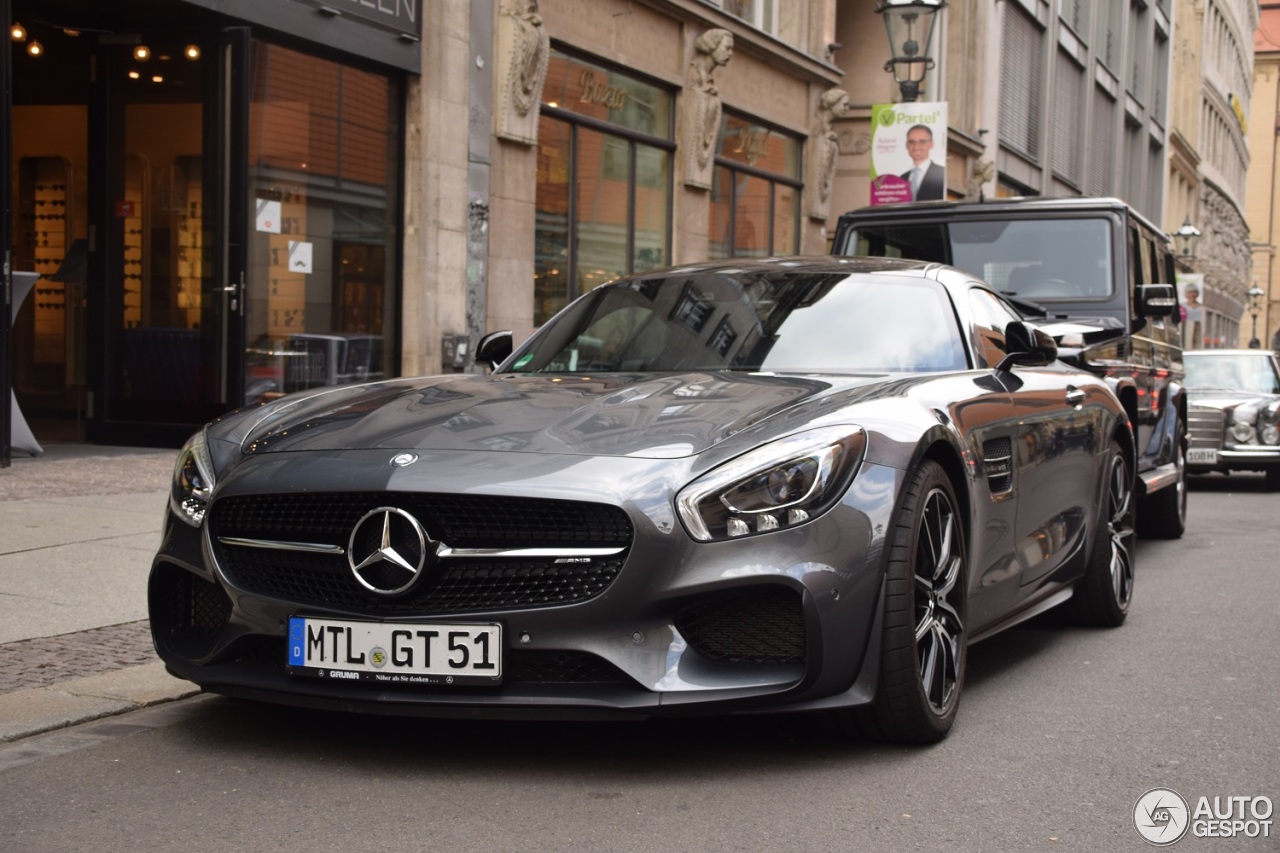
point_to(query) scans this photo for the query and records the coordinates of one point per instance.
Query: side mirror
(1157, 300)
(494, 348)
(1025, 344)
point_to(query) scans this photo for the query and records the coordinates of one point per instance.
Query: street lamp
(909, 25)
(1185, 239)
(1255, 305)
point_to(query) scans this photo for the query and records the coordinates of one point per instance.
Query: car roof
(798, 264)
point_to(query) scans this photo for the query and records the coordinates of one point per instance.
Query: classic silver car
(787, 484)
(1234, 412)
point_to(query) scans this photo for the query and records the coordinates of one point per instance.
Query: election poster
(908, 152)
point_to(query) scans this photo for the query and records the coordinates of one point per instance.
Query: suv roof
(1018, 204)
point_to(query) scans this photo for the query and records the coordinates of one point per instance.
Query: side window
(1163, 264)
(990, 318)
(1135, 258)
(1142, 257)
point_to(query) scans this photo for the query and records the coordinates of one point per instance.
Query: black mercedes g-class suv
(1093, 273)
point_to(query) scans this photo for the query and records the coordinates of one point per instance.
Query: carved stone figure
(522, 69)
(832, 105)
(982, 173)
(703, 108)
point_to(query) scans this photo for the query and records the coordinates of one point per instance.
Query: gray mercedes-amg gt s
(776, 484)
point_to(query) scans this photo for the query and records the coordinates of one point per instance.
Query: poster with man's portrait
(908, 152)
(1191, 309)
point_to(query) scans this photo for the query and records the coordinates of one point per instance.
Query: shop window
(324, 163)
(755, 196)
(604, 180)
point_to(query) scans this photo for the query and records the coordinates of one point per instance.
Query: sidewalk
(78, 529)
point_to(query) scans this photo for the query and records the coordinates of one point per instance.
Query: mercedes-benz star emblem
(388, 550)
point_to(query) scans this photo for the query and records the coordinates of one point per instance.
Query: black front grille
(1205, 427)
(754, 625)
(462, 521)
(453, 585)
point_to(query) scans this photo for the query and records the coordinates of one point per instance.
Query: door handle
(234, 290)
(1075, 397)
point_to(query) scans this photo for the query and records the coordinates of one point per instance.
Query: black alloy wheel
(1105, 592)
(925, 640)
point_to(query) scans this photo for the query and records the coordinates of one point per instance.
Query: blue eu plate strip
(297, 640)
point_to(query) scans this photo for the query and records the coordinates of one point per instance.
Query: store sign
(401, 16)
(596, 92)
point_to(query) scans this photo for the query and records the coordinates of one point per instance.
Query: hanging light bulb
(35, 48)
(142, 53)
(17, 32)
(192, 52)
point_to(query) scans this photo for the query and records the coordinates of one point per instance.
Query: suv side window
(1141, 257)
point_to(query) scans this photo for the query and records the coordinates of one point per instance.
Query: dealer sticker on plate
(448, 654)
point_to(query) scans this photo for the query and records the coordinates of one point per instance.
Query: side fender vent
(997, 461)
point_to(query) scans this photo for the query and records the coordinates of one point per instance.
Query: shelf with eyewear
(188, 228)
(136, 185)
(43, 238)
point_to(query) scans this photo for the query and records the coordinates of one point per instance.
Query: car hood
(663, 416)
(1226, 400)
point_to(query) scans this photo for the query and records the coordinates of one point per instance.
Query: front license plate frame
(1202, 456)
(410, 653)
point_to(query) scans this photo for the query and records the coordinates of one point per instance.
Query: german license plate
(1202, 456)
(396, 653)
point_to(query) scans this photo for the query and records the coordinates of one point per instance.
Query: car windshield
(1041, 260)
(772, 321)
(1255, 373)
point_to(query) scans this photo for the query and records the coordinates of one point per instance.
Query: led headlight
(192, 481)
(783, 484)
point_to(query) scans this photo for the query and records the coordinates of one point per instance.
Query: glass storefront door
(211, 219)
(121, 180)
(165, 305)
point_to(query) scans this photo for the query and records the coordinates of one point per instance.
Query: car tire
(1103, 595)
(1163, 515)
(923, 649)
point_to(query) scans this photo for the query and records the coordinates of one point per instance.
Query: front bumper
(652, 643)
(1238, 458)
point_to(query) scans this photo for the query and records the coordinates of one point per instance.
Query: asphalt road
(1061, 731)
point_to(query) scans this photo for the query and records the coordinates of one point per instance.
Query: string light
(17, 32)
(142, 53)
